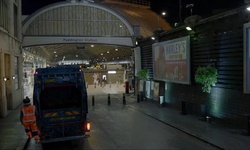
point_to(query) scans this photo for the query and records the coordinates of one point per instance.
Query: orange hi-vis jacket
(29, 114)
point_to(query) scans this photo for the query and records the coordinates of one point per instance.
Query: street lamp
(162, 14)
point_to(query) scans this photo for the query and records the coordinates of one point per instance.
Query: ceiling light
(116, 49)
(101, 53)
(54, 52)
(92, 45)
(153, 38)
(107, 51)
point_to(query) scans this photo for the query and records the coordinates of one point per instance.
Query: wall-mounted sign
(247, 58)
(172, 60)
(41, 40)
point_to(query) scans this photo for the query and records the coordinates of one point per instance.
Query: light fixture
(5, 79)
(153, 38)
(248, 8)
(188, 28)
(13, 77)
(111, 72)
(158, 18)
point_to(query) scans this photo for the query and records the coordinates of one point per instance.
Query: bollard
(124, 100)
(138, 98)
(108, 99)
(93, 100)
(142, 96)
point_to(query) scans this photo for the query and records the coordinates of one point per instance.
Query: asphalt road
(118, 126)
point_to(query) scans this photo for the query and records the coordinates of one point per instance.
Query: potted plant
(143, 76)
(207, 76)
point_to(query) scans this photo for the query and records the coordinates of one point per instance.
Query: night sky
(203, 8)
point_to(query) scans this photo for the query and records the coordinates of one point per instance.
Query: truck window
(58, 97)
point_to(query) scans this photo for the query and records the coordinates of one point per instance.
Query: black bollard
(93, 100)
(124, 100)
(138, 98)
(109, 99)
(142, 96)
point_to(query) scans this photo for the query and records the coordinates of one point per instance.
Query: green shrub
(142, 74)
(207, 76)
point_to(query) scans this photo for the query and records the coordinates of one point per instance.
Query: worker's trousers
(31, 130)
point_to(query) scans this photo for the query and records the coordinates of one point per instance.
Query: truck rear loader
(60, 96)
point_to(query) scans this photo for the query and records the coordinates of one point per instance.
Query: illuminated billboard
(246, 81)
(171, 60)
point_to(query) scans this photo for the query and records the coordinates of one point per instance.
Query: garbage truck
(60, 96)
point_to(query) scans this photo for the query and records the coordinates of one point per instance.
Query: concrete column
(20, 77)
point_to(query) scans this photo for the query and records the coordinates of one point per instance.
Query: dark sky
(203, 8)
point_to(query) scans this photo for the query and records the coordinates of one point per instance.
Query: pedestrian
(28, 115)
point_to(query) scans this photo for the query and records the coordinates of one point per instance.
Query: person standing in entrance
(28, 115)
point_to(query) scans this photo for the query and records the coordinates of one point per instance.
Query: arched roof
(68, 25)
(140, 15)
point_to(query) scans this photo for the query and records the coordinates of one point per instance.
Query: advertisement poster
(247, 58)
(156, 91)
(171, 60)
(148, 89)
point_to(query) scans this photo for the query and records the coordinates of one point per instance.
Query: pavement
(12, 135)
